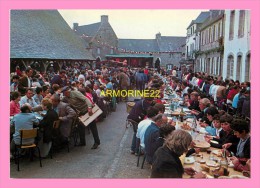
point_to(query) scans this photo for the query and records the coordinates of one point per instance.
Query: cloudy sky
(136, 24)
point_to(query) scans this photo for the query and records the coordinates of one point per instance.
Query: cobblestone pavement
(111, 160)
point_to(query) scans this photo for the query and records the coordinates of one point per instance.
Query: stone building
(42, 38)
(192, 40)
(101, 39)
(209, 57)
(236, 61)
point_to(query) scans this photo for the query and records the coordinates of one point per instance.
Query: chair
(139, 154)
(74, 131)
(26, 134)
(56, 126)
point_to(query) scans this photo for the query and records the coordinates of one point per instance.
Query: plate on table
(166, 104)
(217, 152)
(238, 177)
(214, 142)
(212, 164)
(189, 160)
(202, 130)
(230, 165)
(186, 110)
(201, 144)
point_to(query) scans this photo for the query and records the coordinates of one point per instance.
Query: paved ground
(111, 160)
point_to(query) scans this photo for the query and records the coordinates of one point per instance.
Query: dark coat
(46, 124)
(203, 116)
(226, 138)
(23, 85)
(194, 105)
(152, 141)
(246, 150)
(57, 80)
(166, 164)
(138, 111)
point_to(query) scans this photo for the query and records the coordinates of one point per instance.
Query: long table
(206, 157)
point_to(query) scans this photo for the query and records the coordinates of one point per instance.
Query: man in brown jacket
(24, 82)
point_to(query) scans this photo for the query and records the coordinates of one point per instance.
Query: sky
(136, 24)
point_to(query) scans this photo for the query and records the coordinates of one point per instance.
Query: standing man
(25, 81)
(66, 115)
(57, 79)
(82, 105)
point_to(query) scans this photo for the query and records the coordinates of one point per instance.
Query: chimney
(75, 26)
(210, 14)
(104, 19)
(158, 36)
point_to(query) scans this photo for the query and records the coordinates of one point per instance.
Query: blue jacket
(152, 141)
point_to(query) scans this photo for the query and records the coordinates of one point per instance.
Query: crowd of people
(221, 106)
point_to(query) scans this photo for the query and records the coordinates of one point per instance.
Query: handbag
(87, 119)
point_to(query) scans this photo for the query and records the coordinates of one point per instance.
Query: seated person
(28, 99)
(215, 130)
(14, 104)
(152, 139)
(204, 104)
(38, 96)
(23, 120)
(226, 135)
(166, 162)
(241, 130)
(143, 125)
(210, 112)
(46, 127)
(193, 103)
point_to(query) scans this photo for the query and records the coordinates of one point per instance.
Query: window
(212, 66)
(247, 72)
(220, 67)
(210, 35)
(241, 26)
(98, 50)
(219, 30)
(239, 61)
(217, 66)
(230, 66)
(214, 32)
(201, 38)
(231, 26)
(111, 51)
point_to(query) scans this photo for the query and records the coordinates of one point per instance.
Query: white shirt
(25, 100)
(217, 131)
(142, 126)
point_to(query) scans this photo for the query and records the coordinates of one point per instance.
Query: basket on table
(129, 106)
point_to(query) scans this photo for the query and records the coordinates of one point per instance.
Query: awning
(130, 55)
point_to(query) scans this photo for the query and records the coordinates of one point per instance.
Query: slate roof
(167, 43)
(215, 17)
(88, 30)
(138, 45)
(44, 34)
(130, 55)
(200, 19)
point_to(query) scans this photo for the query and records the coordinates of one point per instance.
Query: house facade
(236, 61)
(192, 40)
(209, 58)
(99, 38)
(104, 45)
